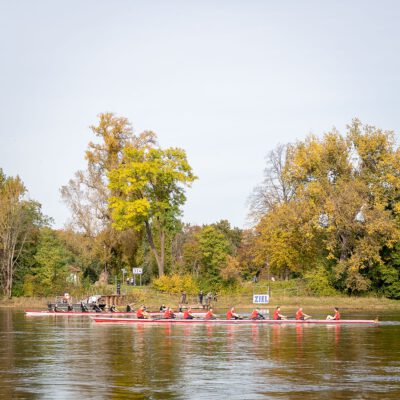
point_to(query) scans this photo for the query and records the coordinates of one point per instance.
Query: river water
(73, 358)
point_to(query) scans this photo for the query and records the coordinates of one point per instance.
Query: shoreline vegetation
(242, 301)
(325, 223)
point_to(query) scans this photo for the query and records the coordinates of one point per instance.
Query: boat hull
(33, 313)
(98, 319)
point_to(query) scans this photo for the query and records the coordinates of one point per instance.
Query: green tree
(215, 249)
(51, 260)
(148, 188)
(19, 219)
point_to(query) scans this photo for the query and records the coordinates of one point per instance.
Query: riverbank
(153, 299)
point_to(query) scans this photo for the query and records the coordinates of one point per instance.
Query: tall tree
(18, 218)
(87, 194)
(275, 188)
(215, 249)
(51, 260)
(344, 209)
(148, 188)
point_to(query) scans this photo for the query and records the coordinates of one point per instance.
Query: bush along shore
(242, 299)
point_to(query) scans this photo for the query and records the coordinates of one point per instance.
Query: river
(73, 358)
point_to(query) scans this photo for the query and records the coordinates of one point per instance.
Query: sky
(225, 80)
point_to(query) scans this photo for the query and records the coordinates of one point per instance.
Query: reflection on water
(69, 357)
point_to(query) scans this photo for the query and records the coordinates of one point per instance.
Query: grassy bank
(153, 299)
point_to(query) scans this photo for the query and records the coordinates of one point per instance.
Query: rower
(163, 308)
(187, 314)
(256, 314)
(169, 313)
(300, 315)
(96, 307)
(335, 317)
(277, 314)
(231, 314)
(113, 308)
(141, 313)
(210, 314)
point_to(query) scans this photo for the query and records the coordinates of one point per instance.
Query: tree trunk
(162, 249)
(159, 260)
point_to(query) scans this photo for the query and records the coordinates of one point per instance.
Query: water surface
(71, 358)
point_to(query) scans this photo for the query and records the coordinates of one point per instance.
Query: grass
(279, 296)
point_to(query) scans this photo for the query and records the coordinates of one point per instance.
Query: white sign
(260, 299)
(137, 271)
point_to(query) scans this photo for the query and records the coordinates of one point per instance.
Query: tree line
(327, 212)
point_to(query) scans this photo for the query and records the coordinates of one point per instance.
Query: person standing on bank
(183, 298)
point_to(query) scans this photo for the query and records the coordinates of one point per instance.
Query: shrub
(176, 284)
(317, 282)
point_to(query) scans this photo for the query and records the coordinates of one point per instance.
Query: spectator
(201, 295)
(183, 298)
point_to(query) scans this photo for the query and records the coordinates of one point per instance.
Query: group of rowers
(168, 313)
(300, 315)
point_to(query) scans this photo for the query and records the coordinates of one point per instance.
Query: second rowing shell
(44, 313)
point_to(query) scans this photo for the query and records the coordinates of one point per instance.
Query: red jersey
(229, 314)
(276, 314)
(186, 314)
(209, 315)
(168, 314)
(254, 314)
(139, 313)
(299, 314)
(337, 316)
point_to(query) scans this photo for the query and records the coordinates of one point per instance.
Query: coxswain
(231, 314)
(300, 315)
(277, 314)
(210, 314)
(187, 314)
(169, 313)
(335, 317)
(66, 298)
(256, 315)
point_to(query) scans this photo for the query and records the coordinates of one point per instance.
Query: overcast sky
(225, 80)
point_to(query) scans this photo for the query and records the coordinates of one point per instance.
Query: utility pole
(268, 277)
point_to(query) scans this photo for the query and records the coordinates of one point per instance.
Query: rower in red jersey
(256, 314)
(187, 314)
(300, 315)
(231, 314)
(210, 314)
(335, 317)
(277, 314)
(169, 313)
(141, 313)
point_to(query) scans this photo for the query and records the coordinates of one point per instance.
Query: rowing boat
(33, 313)
(44, 313)
(98, 319)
